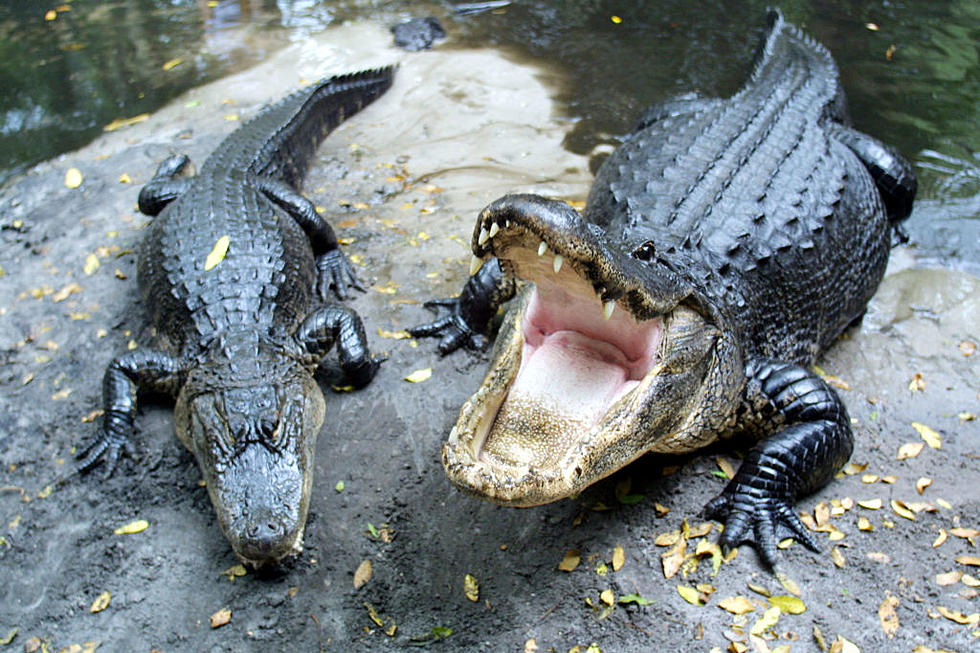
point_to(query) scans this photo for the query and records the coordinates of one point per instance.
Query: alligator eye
(645, 252)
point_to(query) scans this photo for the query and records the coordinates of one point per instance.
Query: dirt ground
(403, 182)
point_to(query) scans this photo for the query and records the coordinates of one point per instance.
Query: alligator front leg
(339, 324)
(469, 315)
(172, 178)
(333, 268)
(813, 442)
(135, 370)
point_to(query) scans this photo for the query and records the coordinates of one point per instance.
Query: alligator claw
(334, 270)
(107, 447)
(758, 516)
(452, 328)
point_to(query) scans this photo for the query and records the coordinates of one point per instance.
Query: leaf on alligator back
(217, 253)
(101, 602)
(73, 178)
(418, 376)
(929, 435)
(172, 63)
(910, 450)
(570, 561)
(136, 526)
(221, 617)
(363, 574)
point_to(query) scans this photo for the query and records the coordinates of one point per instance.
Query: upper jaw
(622, 315)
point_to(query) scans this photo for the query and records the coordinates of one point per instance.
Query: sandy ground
(403, 182)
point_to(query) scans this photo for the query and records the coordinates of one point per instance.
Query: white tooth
(559, 259)
(494, 228)
(475, 264)
(507, 224)
(607, 308)
(484, 236)
(542, 248)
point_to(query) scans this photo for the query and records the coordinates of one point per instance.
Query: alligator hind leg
(135, 370)
(170, 180)
(333, 268)
(813, 442)
(892, 174)
(339, 324)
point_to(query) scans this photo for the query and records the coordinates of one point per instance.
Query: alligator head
(251, 415)
(606, 355)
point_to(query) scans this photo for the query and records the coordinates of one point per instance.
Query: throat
(566, 384)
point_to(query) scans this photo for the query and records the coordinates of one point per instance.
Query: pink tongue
(565, 386)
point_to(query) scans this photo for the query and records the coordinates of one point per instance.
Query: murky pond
(911, 70)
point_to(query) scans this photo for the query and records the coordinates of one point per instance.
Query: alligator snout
(264, 539)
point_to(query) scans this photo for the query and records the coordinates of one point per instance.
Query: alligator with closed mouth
(723, 246)
(232, 271)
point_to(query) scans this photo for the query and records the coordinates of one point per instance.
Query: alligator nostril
(265, 530)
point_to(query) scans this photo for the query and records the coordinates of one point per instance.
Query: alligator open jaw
(567, 395)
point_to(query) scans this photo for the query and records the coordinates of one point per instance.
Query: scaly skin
(242, 339)
(724, 245)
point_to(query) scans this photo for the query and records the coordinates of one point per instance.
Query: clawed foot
(335, 271)
(759, 515)
(452, 328)
(108, 446)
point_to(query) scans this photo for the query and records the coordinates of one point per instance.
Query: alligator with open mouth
(723, 246)
(232, 271)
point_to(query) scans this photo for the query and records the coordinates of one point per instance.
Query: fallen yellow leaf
(864, 524)
(871, 504)
(901, 509)
(570, 561)
(736, 605)
(217, 253)
(101, 602)
(766, 621)
(939, 538)
(725, 467)
(137, 526)
(689, 594)
(949, 578)
(607, 597)
(910, 450)
(930, 436)
(969, 560)
(221, 617)
(887, 615)
(73, 178)
(922, 484)
(837, 557)
(363, 574)
(788, 604)
(91, 264)
(959, 617)
(618, 558)
(173, 63)
(471, 588)
(418, 376)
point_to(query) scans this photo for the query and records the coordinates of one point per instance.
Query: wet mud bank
(402, 182)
